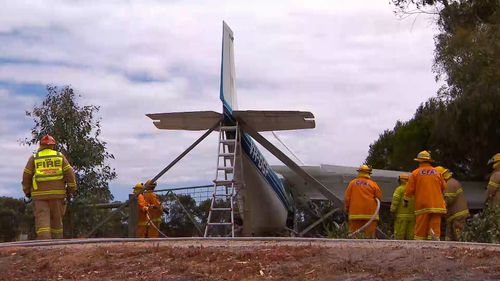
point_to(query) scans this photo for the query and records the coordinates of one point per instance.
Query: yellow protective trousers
(454, 228)
(404, 228)
(48, 218)
(369, 231)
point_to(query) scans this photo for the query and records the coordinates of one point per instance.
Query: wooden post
(132, 216)
(106, 219)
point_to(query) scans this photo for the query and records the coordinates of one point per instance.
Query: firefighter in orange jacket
(150, 211)
(44, 180)
(360, 201)
(457, 210)
(427, 185)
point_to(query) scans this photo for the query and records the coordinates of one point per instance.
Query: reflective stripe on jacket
(360, 197)
(397, 204)
(454, 197)
(494, 188)
(427, 185)
(46, 174)
(48, 166)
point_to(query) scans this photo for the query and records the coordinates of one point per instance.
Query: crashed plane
(264, 204)
(251, 186)
(336, 178)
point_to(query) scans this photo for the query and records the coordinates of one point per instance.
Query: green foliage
(461, 126)
(15, 218)
(308, 212)
(177, 222)
(483, 227)
(337, 231)
(82, 217)
(395, 149)
(77, 133)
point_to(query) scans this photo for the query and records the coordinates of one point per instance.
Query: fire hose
(369, 221)
(150, 222)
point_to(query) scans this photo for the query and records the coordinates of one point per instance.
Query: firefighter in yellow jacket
(427, 185)
(360, 203)
(44, 180)
(493, 193)
(150, 210)
(456, 205)
(404, 223)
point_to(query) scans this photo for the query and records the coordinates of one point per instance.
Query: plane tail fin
(228, 77)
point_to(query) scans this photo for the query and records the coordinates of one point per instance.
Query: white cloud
(353, 64)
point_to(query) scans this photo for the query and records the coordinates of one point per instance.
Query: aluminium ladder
(220, 221)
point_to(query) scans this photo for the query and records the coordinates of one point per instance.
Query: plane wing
(336, 178)
(276, 120)
(192, 121)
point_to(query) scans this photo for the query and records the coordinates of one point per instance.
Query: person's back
(493, 195)
(360, 201)
(45, 177)
(426, 185)
(456, 205)
(404, 223)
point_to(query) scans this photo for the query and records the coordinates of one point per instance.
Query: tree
(396, 148)
(77, 131)
(15, 218)
(177, 223)
(460, 125)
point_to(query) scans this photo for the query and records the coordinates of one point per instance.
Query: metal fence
(199, 193)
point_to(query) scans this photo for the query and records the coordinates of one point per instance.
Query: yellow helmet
(424, 156)
(403, 177)
(444, 172)
(494, 159)
(365, 169)
(138, 187)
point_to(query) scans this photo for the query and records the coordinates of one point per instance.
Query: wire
(369, 221)
(152, 223)
(287, 148)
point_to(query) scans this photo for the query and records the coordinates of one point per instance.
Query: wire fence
(199, 193)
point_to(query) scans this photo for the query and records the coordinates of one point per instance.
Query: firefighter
(404, 224)
(150, 210)
(456, 205)
(360, 201)
(493, 195)
(45, 178)
(426, 185)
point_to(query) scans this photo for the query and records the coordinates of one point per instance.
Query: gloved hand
(28, 199)
(150, 185)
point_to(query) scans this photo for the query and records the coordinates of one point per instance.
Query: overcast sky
(354, 64)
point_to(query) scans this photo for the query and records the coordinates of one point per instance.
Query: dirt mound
(252, 260)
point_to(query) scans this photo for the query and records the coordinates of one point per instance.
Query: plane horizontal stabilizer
(191, 121)
(276, 120)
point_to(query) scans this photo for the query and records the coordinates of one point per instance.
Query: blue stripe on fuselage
(252, 151)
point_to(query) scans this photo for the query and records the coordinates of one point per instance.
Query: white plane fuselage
(263, 202)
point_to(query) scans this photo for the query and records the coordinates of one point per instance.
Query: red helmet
(47, 140)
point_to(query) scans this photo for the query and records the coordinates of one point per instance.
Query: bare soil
(252, 260)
